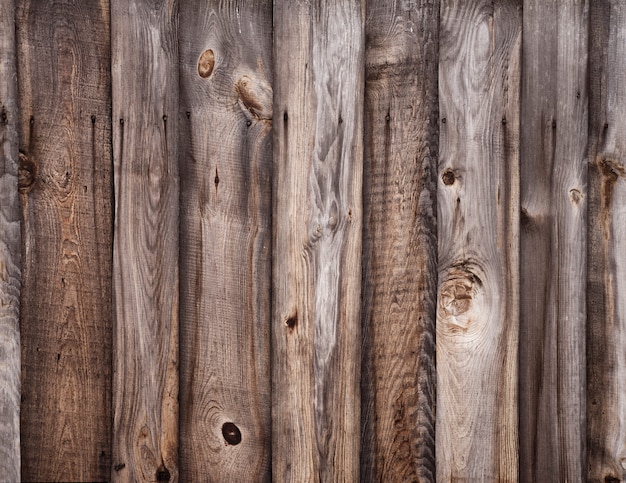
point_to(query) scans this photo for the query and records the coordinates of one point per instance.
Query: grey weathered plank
(400, 241)
(478, 213)
(10, 251)
(553, 210)
(145, 262)
(64, 178)
(318, 94)
(606, 295)
(225, 278)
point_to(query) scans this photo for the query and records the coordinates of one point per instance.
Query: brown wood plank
(318, 93)
(606, 284)
(225, 281)
(65, 183)
(145, 263)
(10, 251)
(553, 210)
(400, 241)
(478, 213)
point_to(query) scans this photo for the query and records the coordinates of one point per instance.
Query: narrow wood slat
(65, 184)
(225, 257)
(606, 284)
(145, 265)
(10, 251)
(478, 213)
(318, 103)
(400, 241)
(553, 210)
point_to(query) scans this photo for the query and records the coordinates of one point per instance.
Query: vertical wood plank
(225, 163)
(478, 213)
(606, 296)
(553, 211)
(65, 184)
(318, 93)
(145, 262)
(400, 241)
(10, 251)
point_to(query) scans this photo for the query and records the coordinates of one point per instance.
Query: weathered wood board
(318, 156)
(225, 254)
(145, 263)
(553, 241)
(606, 286)
(478, 215)
(10, 251)
(400, 241)
(65, 184)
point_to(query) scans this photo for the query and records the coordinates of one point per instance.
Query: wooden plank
(478, 213)
(318, 94)
(400, 241)
(145, 263)
(553, 199)
(226, 165)
(65, 183)
(10, 251)
(606, 295)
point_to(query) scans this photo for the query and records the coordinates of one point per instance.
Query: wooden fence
(330, 240)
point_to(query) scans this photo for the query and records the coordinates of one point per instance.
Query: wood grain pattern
(65, 184)
(145, 264)
(400, 241)
(318, 93)
(553, 241)
(226, 188)
(606, 286)
(10, 251)
(478, 203)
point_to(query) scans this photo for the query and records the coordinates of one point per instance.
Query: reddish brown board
(606, 276)
(400, 241)
(65, 183)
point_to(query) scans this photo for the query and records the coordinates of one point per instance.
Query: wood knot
(457, 291)
(27, 173)
(292, 321)
(448, 177)
(575, 196)
(163, 474)
(206, 63)
(4, 119)
(231, 433)
(255, 98)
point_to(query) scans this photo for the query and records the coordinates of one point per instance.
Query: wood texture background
(553, 241)
(145, 262)
(226, 187)
(65, 186)
(397, 229)
(399, 241)
(10, 250)
(478, 236)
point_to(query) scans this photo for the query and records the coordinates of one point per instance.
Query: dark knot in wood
(231, 433)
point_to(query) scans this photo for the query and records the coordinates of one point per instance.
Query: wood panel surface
(65, 184)
(317, 144)
(145, 262)
(226, 187)
(553, 241)
(606, 286)
(400, 241)
(10, 251)
(478, 213)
